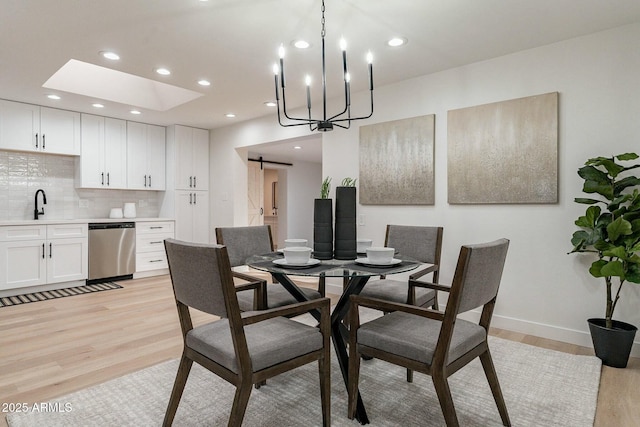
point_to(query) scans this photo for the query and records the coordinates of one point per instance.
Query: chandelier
(342, 119)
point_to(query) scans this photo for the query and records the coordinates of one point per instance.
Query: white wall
(544, 291)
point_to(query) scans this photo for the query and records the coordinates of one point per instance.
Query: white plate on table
(283, 263)
(367, 261)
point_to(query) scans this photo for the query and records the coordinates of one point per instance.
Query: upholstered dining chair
(424, 244)
(241, 243)
(432, 342)
(242, 348)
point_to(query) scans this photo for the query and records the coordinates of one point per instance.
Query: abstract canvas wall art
(397, 162)
(504, 152)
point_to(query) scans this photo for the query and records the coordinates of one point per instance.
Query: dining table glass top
(273, 262)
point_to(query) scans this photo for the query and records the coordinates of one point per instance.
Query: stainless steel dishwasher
(112, 251)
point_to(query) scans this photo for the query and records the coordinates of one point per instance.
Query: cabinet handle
(43, 251)
(190, 181)
(155, 243)
(156, 260)
(43, 141)
(156, 227)
(145, 180)
(107, 178)
(190, 198)
(50, 249)
(102, 175)
(36, 140)
(194, 198)
(149, 181)
(195, 184)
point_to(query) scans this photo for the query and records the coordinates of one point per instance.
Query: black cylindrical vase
(323, 228)
(345, 238)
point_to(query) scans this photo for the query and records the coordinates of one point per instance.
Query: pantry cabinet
(32, 255)
(102, 163)
(191, 157)
(187, 197)
(145, 156)
(32, 128)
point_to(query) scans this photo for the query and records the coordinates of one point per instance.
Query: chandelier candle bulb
(307, 81)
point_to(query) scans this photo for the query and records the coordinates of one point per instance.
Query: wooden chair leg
(492, 377)
(178, 387)
(409, 376)
(240, 401)
(446, 401)
(324, 368)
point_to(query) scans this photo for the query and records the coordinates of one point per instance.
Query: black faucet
(37, 212)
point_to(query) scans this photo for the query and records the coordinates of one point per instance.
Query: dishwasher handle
(108, 225)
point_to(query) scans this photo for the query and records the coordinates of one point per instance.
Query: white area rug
(541, 387)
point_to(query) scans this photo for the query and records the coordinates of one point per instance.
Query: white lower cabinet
(151, 258)
(192, 216)
(42, 254)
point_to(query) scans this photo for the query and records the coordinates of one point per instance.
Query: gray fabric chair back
(417, 242)
(196, 275)
(482, 273)
(242, 242)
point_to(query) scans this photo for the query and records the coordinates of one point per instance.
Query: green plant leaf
(619, 227)
(629, 181)
(585, 201)
(612, 167)
(627, 156)
(591, 173)
(596, 268)
(588, 220)
(616, 251)
(633, 273)
(613, 268)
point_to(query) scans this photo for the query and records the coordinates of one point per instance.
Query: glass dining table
(355, 275)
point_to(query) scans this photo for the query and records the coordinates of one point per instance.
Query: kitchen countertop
(77, 221)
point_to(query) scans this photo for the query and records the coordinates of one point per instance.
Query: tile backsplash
(21, 174)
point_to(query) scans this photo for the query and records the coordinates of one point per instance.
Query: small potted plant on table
(610, 229)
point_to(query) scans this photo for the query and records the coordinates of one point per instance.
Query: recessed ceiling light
(96, 105)
(135, 112)
(397, 41)
(56, 97)
(297, 147)
(230, 115)
(204, 82)
(163, 71)
(110, 55)
(301, 44)
(270, 104)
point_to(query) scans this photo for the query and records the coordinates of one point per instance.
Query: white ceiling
(233, 43)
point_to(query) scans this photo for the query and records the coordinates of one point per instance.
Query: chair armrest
(259, 287)
(431, 269)
(434, 286)
(322, 304)
(388, 306)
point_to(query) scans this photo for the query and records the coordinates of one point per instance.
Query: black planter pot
(345, 238)
(323, 228)
(612, 346)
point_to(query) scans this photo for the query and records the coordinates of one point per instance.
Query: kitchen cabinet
(145, 156)
(32, 255)
(187, 197)
(151, 258)
(102, 162)
(191, 158)
(32, 128)
(192, 216)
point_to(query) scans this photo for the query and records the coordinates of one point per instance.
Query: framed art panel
(504, 152)
(397, 162)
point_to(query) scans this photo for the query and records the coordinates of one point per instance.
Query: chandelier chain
(323, 32)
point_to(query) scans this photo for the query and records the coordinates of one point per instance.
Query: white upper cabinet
(26, 127)
(192, 158)
(102, 163)
(145, 156)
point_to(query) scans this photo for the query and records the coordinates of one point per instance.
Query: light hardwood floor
(51, 348)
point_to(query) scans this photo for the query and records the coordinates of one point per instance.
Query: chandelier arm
(358, 118)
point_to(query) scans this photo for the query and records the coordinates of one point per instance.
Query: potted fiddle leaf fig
(323, 223)
(610, 230)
